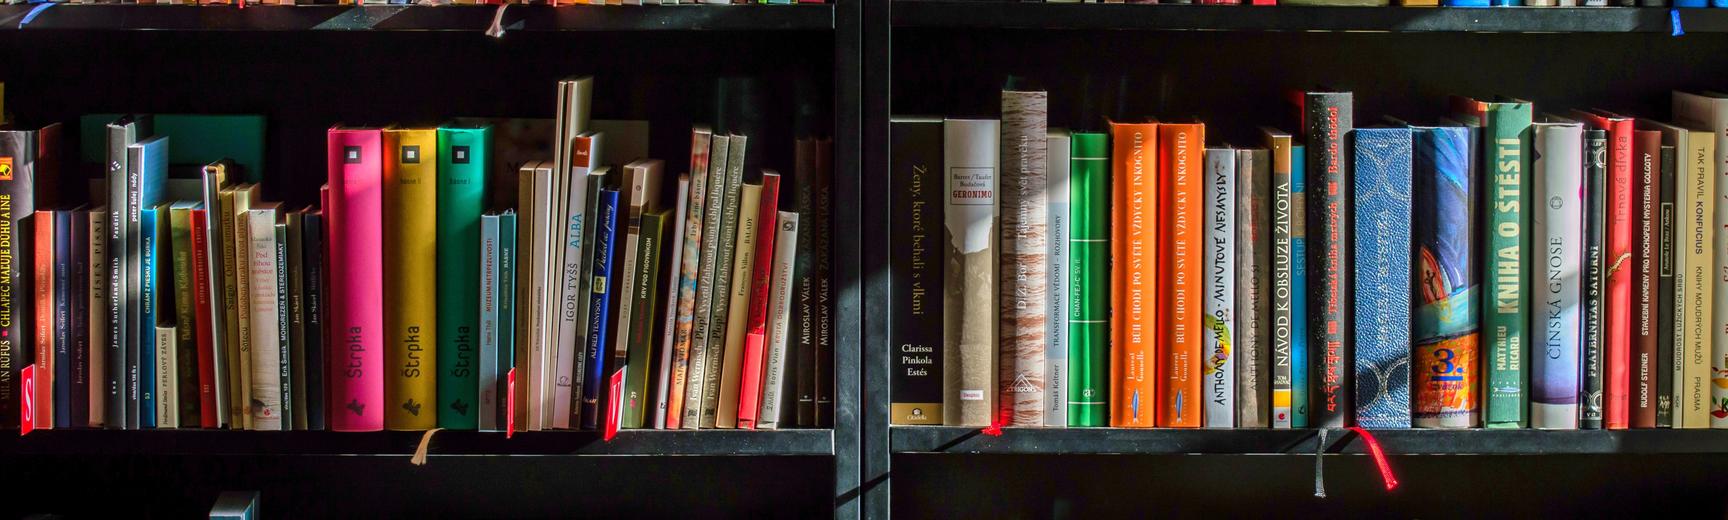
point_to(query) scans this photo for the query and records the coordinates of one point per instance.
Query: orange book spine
(1134, 324)
(44, 274)
(1182, 207)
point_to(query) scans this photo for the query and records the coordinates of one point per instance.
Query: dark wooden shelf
(1033, 15)
(1098, 441)
(805, 17)
(394, 444)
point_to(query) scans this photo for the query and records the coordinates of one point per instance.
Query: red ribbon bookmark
(1379, 458)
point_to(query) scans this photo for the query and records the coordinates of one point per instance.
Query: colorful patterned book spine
(1025, 256)
(719, 332)
(411, 278)
(1218, 251)
(17, 156)
(689, 269)
(1506, 313)
(1595, 275)
(1253, 288)
(1089, 303)
(1444, 328)
(1285, 344)
(1058, 190)
(703, 313)
(1302, 346)
(915, 330)
(1327, 122)
(1557, 225)
(1382, 295)
(462, 159)
(969, 294)
(357, 267)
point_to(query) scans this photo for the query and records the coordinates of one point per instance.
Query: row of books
(1502, 268)
(453, 2)
(603, 297)
(1430, 3)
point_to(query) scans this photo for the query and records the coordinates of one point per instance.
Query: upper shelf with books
(959, 440)
(518, 17)
(791, 442)
(994, 15)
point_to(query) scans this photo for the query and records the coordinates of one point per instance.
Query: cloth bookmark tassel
(419, 458)
(1379, 455)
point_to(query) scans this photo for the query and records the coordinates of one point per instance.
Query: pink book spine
(755, 355)
(355, 210)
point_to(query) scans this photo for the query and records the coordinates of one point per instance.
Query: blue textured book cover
(1298, 285)
(147, 318)
(1445, 326)
(1382, 295)
(601, 301)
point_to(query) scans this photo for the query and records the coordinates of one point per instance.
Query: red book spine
(201, 306)
(43, 398)
(1621, 216)
(755, 354)
(355, 209)
(1263, 2)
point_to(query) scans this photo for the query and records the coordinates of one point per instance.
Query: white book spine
(970, 313)
(1557, 231)
(1220, 268)
(167, 400)
(1056, 346)
(1711, 113)
(569, 240)
(669, 322)
(1694, 284)
(266, 341)
(779, 318)
(488, 375)
(538, 260)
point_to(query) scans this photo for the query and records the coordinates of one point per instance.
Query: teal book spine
(1298, 285)
(462, 160)
(506, 312)
(1089, 279)
(1506, 316)
(147, 316)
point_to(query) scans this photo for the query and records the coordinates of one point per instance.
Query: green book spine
(506, 311)
(186, 341)
(461, 199)
(642, 329)
(1507, 317)
(1089, 307)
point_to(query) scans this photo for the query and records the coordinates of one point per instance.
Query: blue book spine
(1718, 3)
(1468, 3)
(601, 301)
(1690, 3)
(62, 315)
(1298, 285)
(1382, 295)
(147, 318)
(1445, 322)
(147, 176)
(506, 308)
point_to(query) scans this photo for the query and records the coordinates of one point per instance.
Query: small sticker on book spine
(971, 395)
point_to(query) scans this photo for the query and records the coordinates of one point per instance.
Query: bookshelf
(307, 67)
(1229, 66)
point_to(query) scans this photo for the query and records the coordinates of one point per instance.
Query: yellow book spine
(240, 314)
(731, 369)
(410, 278)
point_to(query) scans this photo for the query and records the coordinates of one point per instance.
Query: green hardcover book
(1089, 294)
(643, 333)
(186, 341)
(461, 200)
(1505, 319)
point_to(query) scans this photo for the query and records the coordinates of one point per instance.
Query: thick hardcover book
(411, 279)
(1595, 276)
(634, 318)
(669, 296)
(1506, 309)
(774, 386)
(95, 314)
(689, 273)
(1253, 288)
(245, 198)
(756, 326)
(1136, 331)
(1619, 306)
(1182, 209)
(1218, 285)
(601, 300)
(720, 323)
(18, 194)
(215, 179)
(1300, 364)
(185, 313)
(806, 273)
(1669, 363)
(1709, 111)
(738, 305)
(148, 390)
(1382, 238)
(295, 291)
(1024, 210)
(1646, 255)
(1286, 216)
(1058, 191)
(263, 291)
(315, 313)
(712, 197)
(39, 397)
(1089, 276)
(355, 235)
(571, 274)
(486, 366)
(123, 335)
(1328, 119)
(915, 328)
(64, 290)
(1557, 230)
(1694, 278)
(649, 297)
(970, 294)
(205, 332)
(462, 158)
(1445, 338)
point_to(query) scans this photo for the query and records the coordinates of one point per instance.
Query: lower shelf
(444, 443)
(957, 440)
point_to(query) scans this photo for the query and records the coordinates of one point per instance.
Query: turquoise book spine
(461, 199)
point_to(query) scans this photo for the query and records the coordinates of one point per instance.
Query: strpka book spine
(463, 154)
(411, 278)
(356, 296)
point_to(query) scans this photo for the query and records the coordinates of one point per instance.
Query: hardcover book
(215, 179)
(1025, 255)
(1506, 310)
(532, 396)
(356, 295)
(915, 328)
(756, 325)
(690, 262)
(96, 316)
(293, 270)
(1646, 255)
(1135, 328)
(411, 281)
(644, 178)
(462, 158)
(647, 298)
(39, 397)
(1057, 190)
(1328, 119)
(185, 312)
(314, 270)
(1709, 111)
(725, 264)
(146, 168)
(1694, 282)
(713, 196)
(775, 390)
(62, 304)
(1618, 306)
(1286, 213)
(572, 239)
(1382, 296)
(1253, 288)
(245, 198)
(78, 320)
(1089, 304)
(969, 346)
(1182, 209)
(1218, 249)
(1300, 357)
(211, 404)
(123, 334)
(1445, 341)
(1595, 275)
(601, 300)
(1557, 227)
(1669, 361)
(18, 192)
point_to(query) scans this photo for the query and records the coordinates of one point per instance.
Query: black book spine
(78, 290)
(1595, 279)
(296, 290)
(1665, 325)
(62, 319)
(803, 327)
(17, 202)
(915, 272)
(1328, 125)
(121, 377)
(312, 268)
(823, 209)
(285, 357)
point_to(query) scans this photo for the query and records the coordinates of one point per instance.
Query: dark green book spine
(1506, 318)
(506, 311)
(461, 200)
(1595, 275)
(1089, 309)
(643, 317)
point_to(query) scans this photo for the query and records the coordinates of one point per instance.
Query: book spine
(1284, 341)
(1670, 364)
(243, 290)
(822, 245)
(39, 398)
(215, 177)
(165, 338)
(461, 195)
(1299, 355)
(969, 283)
(62, 364)
(266, 342)
(1556, 228)
(96, 317)
(1135, 331)
(507, 304)
(207, 378)
(633, 200)
(756, 342)
(1253, 287)
(1595, 275)
(647, 295)
(118, 376)
(719, 326)
(1617, 358)
(1696, 278)
(356, 297)
(1444, 333)
(670, 297)
(486, 381)
(774, 388)
(235, 372)
(738, 305)
(573, 238)
(284, 333)
(805, 272)
(1088, 303)
(1218, 249)
(1711, 114)
(78, 317)
(531, 281)
(1506, 316)
(410, 284)
(313, 268)
(1181, 204)
(1382, 252)
(148, 392)
(689, 269)
(1025, 256)
(1328, 119)
(295, 291)
(185, 320)
(599, 321)
(702, 313)
(17, 194)
(1058, 246)
(1646, 167)
(915, 330)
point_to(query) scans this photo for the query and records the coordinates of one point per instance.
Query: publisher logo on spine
(350, 155)
(459, 155)
(971, 186)
(5, 168)
(411, 154)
